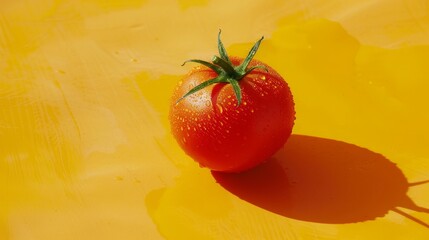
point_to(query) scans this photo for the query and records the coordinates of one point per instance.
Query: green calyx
(227, 72)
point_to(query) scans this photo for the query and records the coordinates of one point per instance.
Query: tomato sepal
(237, 90)
(210, 65)
(227, 72)
(250, 55)
(222, 51)
(218, 79)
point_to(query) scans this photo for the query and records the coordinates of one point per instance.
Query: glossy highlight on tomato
(232, 114)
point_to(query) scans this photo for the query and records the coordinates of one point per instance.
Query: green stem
(226, 71)
(227, 67)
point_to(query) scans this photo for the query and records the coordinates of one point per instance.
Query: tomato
(232, 114)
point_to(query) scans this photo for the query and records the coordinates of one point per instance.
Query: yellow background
(85, 148)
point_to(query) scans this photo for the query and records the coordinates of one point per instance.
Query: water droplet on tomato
(263, 77)
(219, 107)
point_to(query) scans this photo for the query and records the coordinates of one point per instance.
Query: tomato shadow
(325, 181)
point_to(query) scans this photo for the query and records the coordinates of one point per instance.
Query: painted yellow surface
(85, 148)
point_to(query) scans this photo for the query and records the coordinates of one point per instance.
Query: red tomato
(228, 129)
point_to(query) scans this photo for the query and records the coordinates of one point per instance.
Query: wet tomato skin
(210, 127)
